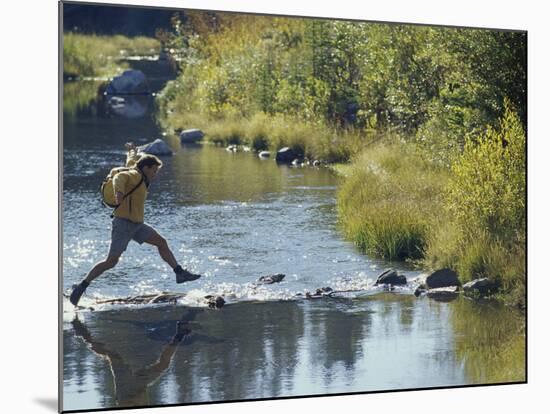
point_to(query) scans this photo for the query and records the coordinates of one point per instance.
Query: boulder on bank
(391, 277)
(483, 287)
(132, 82)
(443, 294)
(157, 147)
(442, 278)
(191, 135)
(269, 279)
(286, 155)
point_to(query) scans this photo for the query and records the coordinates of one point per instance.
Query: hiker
(130, 191)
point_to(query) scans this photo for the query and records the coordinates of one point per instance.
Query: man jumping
(130, 192)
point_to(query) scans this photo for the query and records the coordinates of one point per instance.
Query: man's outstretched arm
(132, 156)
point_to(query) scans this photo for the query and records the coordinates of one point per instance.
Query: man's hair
(148, 160)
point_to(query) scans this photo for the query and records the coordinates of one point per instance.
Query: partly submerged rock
(286, 155)
(264, 154)
(443, 294)
(214, 302)
(191, 135)
(482, 287)
(157, 147)
(420, 290)
(269, 279)
(391, 277)
(319, 293)
(132, 82)
(442, 278)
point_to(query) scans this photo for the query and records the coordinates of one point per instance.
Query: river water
(233, 218)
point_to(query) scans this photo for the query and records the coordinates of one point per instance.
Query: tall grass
(396, 203)
(387, 203)
(93, 55)
(273, 132)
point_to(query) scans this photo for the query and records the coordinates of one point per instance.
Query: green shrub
(484, 235)
(487, 191)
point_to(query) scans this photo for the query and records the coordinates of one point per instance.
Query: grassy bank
(100, 56)
(396, 204)
(273, 132)
(447, 192)
(387, 202)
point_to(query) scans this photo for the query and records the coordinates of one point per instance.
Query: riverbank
(102, 56)
(261, 131)
(435, 175)
(396, 203)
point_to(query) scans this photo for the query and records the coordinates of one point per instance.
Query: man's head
(149, 165)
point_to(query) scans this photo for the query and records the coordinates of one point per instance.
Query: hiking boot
(183, 275)
(78, 290)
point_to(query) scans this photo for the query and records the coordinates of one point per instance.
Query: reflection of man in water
(131, 386)
(130, 192)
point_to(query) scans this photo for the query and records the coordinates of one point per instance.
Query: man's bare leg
(101, 267)
(182, 275)
(98, 269)
(164, 251)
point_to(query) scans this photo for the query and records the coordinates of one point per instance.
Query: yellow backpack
(107, 189)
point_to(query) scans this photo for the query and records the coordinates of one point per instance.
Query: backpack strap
(129, 192)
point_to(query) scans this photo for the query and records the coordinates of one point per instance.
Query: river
(233, 217)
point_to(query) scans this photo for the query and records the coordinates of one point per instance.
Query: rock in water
(271, 278)
(157, 147)
(191, 135)
(264, 154)
(286, 155)
(391, 277)
(420, 290)
(482, 287)
(442, 278)
(130, 82)
(444, 294)
(319, 293)
(214, 302)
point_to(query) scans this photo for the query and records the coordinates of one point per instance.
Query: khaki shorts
(125, 230)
